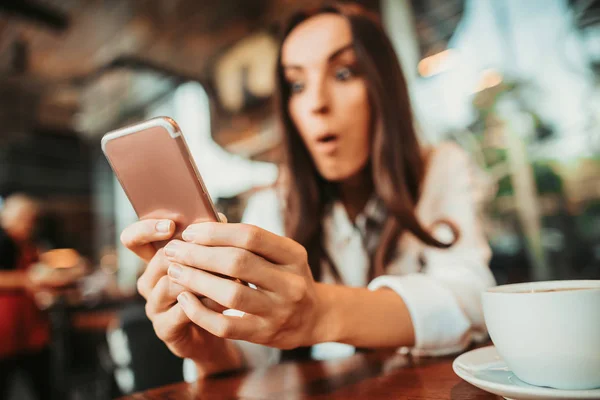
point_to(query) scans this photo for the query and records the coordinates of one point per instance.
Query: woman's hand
(139, 236)
(284, 312)
(184, 338)
(172, 326)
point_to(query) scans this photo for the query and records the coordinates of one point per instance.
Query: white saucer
(485, 369)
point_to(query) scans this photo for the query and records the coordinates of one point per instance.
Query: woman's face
(329, 102)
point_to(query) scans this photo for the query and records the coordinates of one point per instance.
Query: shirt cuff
(441, 327)
(257, 355)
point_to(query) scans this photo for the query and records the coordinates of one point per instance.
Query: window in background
(516, 88)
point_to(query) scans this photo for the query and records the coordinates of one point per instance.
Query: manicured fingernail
(188, 235)
(163, 226)
(182, 299)
(171, 249)
(174, 271)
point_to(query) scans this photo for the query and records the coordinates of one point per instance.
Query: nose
(319, 99)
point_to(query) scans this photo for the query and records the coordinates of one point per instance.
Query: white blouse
(441, 287)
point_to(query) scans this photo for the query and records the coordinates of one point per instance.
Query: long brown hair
(396, 164)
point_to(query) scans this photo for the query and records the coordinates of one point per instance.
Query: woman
(382, 244)
(24, 329)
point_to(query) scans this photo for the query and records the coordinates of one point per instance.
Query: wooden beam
(38, 13)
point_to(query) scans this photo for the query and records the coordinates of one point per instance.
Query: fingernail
(171, 249)
(163, 226)
(188, 235)
(174, 271)
(182, 300)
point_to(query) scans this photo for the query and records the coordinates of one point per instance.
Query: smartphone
(154, 166)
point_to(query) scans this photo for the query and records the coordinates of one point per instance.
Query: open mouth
(327, 138)
(328, 143)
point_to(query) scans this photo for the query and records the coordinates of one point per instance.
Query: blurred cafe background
(516, 83)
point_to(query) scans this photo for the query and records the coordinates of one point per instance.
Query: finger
(224, 326)
(164, 294)
(156, 269)
(223, 218)
(210, 304)
(162, 297)
(232, 262)
(224, 291)
(278, 249)
(169, 324)
(139, 236)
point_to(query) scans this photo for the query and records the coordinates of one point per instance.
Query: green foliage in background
(547, 181)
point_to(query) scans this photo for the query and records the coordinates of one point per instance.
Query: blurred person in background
(24, 329)
(372, 241)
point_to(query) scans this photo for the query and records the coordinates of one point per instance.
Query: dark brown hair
(397, 165)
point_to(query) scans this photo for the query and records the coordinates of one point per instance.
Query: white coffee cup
(547, 338)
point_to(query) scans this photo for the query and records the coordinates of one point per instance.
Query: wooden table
(375, 375)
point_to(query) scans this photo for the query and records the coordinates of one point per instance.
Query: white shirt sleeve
(263, 209)
(444, 299)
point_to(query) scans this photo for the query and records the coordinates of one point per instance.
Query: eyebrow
(331, 57)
